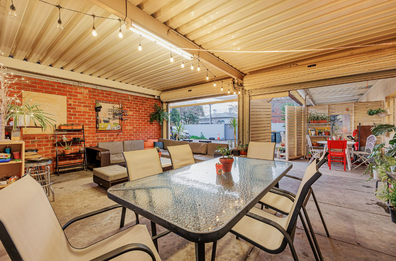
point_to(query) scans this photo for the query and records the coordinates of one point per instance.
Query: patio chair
(315, 153)
(337, 152)
(362, 156)
(181, 156)
(272, 233)
(261, 150)
(30, 230)
(140, 164)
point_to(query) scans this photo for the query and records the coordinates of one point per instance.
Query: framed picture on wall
(107, 118)
(340, 123)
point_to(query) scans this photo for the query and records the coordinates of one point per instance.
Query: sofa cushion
(111, 173)
(212, 147)
(200, 157)
(116, 158)
(115, 147)
(198, 148)
(159, 145)
(171, 143)
(130, 145)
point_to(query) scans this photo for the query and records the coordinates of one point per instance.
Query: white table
(347, 151)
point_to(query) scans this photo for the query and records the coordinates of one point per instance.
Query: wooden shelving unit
(13, 168)
(61, 156)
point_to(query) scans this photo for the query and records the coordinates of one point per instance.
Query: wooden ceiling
(230, 30)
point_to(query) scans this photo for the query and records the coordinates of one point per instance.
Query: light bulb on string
(214, 84)
(94, 33)
(207, 75)
(140, 44)
(228, 88)
(234, 92)
(198, 68)
(192, 66)
(12, 11)
(171, 58)
(221, 86)
(59, 25)
(182, 62)
(120, 31)
(239, 92)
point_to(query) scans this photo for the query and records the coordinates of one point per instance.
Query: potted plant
(179, 129)
(77, 126)
(378, 111)
(226, 159)
(234, 124)
(159, 115)
(159, 152)
(243, 149)
(66, 147)
(387, 193)
(313, 117)
(25, 113)
(65, 126)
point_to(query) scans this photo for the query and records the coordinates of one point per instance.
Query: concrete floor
(360, 228)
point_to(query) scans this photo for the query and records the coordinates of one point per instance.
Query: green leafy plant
(225, 151)
(179, 131)
(384, 129)
(157, 148)
(234, 124)
(159, 115)
(387, 192)
(67, 145)
(374, 112)
(243, 147)
(34, 112)
(382, 163)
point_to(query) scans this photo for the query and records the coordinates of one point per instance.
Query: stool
(110, 175)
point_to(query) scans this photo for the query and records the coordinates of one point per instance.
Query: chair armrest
(102, 150)
(293, 177)
(284, 193)
(271, 223)
(125, 249)
(90, 214)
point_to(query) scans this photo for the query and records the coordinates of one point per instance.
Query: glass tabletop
(194, 200)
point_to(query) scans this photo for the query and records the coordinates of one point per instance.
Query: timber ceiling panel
(340, 93)
(230, 29)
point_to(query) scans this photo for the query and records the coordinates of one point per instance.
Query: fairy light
(221, 86)
(59, 25)
(229, 89)
(192, 65)
(182, 63)
(198, 68)
(120, 31)
(207, 74)
(94, 33)
(171, 57)
(140, 44)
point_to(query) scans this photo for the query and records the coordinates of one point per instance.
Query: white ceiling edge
(69, 75)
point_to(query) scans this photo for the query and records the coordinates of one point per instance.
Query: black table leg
(154, 233)
(214, 251)
(200, 251)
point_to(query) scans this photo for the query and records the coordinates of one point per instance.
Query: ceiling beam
(69, 75)
(151, 24)
(310, 97)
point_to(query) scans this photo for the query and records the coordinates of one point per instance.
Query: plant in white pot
(25, 113)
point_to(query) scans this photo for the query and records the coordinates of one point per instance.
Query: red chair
(337, 152)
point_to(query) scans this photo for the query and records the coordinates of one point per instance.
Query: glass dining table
(196, 203)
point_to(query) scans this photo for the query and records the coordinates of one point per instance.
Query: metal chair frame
(315, 153)
(43, 177)
(363, 155)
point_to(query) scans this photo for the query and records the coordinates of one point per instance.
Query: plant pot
(219, 169)
(327, 133)
(392, 211)
(64, 127)
(227, 164)
(236, 152)
(66, 152)
(243, 152)
(159, 153)
(16, 154)
(77, 127)
(24, 120)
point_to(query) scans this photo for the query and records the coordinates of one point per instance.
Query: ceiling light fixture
(94, 33)
(152, 37)
(59, 25)
(12, 12)
(120, 32)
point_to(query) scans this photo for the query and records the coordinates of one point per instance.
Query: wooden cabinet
(13, 168)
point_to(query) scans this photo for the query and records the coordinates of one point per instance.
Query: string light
(229, 89)
(221, 86)
(140, 44)
(12, 12)
(120, 32)
(198, 68)
(94, 33)
(214, 82)
(182, 63)
(239, 92)
(59, 25)
(171, 58)
(192, 66)
(207, 74)
(234, 92)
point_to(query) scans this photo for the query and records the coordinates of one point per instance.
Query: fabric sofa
(201, 151)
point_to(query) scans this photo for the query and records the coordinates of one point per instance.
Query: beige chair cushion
(142, 163)
(171, 142)
(116, 158)
(181, 156)
(261, 233)
(130, 145)
(212, 147)
(198, 147)
(115, 147)
(282, 203)
(37, 234)
(111, 173)
(261, 150)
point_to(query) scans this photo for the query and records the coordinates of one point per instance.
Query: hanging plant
(159, 115)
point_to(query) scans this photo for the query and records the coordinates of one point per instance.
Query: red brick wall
(80, 109)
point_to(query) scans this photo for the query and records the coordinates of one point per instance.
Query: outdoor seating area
(197, 130)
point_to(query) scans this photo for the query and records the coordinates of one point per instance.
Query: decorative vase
(227, 164)
(23, 120)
